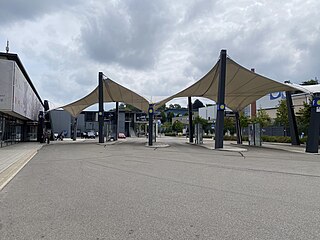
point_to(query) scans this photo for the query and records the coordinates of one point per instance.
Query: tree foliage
(230, 124)
(162, 108)
(206, 126)
(262, 117)
(244, 120)
(282, 114)
(303, 117)
(163, 117)
(170, 115)
(202, 121)
(310, 82)
(177, 126)
(167, 127)
(175, 106)
(132, 108)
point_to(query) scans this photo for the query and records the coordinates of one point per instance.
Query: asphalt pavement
(125, 190)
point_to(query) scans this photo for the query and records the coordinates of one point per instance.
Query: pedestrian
(48, 135)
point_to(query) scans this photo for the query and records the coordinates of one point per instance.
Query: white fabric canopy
(311, 89)
(242, 87)
(112, 92)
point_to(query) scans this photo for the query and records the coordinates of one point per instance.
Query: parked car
(121, 135)
(91, 134)
(83, 135)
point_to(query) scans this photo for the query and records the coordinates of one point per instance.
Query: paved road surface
(129, 191)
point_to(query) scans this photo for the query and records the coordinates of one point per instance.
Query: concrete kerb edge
(284, 149)
(111, 142)
(232, 149)
(162, 145)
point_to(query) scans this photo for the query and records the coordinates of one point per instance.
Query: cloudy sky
(157, 47)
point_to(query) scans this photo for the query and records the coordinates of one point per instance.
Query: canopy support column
(150, 133)
(40, 137)
(238, 128)
(75, 124)
(292, 120)
(190, 120)
(220, 102)
(314, 126)
(101, 110)
(117, 120)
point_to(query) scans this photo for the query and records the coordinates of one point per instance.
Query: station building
(20, 103)
(131, 123)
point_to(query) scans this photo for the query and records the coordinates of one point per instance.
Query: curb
(8, 174)
(225, 148)
(163, 145)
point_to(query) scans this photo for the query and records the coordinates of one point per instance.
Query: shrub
(170, 134)
(230, 138)
(278, 139)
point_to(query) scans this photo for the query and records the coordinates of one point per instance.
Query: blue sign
(221, 107)
(316, 102)
(276, 95)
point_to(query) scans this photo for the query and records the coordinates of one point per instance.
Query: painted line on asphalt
(12, 171)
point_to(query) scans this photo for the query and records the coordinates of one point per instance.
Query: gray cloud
(129, 33)
(16, 10)
(158, 47)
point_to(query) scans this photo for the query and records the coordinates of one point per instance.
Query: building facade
(20, 103)
(131, 123)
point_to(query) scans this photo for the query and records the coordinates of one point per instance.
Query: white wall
(6, 84)
(25, 101)
(209, 113)
(16, 95)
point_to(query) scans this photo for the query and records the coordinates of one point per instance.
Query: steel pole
(190, 120)
(220, 102)
(238, 128)
(101, 110)
(150, 133)
(314, 126)
(292, 120)
(117, 120)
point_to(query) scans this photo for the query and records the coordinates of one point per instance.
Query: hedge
(277, 139)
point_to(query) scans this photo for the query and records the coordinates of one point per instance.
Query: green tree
(162, 108)
(167, 127)
(202, 121)
(229, 124)
(177, 126)
(132, 108)
(205, 124)
(282, 114)
(303, 117)
(262, 117)
(310, 82)
(170, 115)
(244, 120)
(163, 117)
(175, 106)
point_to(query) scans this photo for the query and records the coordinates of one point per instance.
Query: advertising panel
(6, 84)
(25, 102)
(271, 100)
